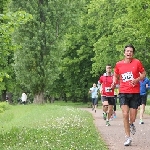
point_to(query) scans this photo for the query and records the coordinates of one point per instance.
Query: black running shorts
(143, 99)
(132, 100)
(111, 100)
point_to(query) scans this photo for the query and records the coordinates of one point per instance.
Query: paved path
(114, 135)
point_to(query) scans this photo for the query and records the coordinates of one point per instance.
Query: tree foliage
(66, 46)
(37, 61)
(9, 22)
(125, 22)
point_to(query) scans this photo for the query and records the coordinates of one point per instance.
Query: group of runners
(129, 76)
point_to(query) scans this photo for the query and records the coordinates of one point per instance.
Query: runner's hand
(134, 81)
(113, 85)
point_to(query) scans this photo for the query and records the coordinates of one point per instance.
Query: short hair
(131, 46)
(108, 65)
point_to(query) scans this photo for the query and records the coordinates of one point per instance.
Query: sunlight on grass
(48, 127)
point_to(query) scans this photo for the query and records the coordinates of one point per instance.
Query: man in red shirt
(129, 72)
(107, 94)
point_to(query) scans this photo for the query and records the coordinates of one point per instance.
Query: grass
(57, 126)
(48, 127)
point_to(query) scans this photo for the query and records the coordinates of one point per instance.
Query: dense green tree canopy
(37, 61)
(66, 46)
(9, 23)
(122, 23)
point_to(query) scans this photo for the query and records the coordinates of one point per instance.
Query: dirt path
(114, 135)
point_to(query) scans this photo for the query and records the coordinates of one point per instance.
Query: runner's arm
(141, 77)
(148, 84)
(115, 80)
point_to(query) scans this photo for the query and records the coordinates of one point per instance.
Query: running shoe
(115, 115)
(111, 118)
(132, 129)
(127, 142)
(107, 123)
(141, 122)
(104, 116)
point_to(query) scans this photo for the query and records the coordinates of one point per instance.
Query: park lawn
(48, 127)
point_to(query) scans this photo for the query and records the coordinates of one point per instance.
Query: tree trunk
(9, 95)
(3, 95)
(85, 98)
(39, 98)
(65, 97)
(52, 99)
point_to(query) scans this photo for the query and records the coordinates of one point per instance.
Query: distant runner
(107, 94)
(94, 94)
(144, 86)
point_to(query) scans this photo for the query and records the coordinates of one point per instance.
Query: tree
(122, 23)
(77, 64)
(37, 61)
(9, 22)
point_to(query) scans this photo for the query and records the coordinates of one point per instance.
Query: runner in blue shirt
(94, 94)
(144, 86)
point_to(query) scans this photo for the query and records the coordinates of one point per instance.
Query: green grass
(69, 103)
(3, 106)
(48, 127)
(147, 109)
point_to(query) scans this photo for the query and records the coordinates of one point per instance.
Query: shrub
(3, 106)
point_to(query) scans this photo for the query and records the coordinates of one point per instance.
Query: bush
(3, 106)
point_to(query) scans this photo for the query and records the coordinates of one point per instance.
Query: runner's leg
(95, 104)
(133, 113)
(110, 111)
(142, 108)
(125, 113)
(93, 99)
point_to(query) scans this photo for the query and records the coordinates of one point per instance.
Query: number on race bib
(127, 76)
(108, 89)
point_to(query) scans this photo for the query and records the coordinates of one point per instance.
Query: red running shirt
(127, 72)
(106, 82)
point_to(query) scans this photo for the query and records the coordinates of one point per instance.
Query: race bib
(128, 76)
(108, 89)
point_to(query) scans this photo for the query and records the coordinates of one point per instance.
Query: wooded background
(56, 49)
